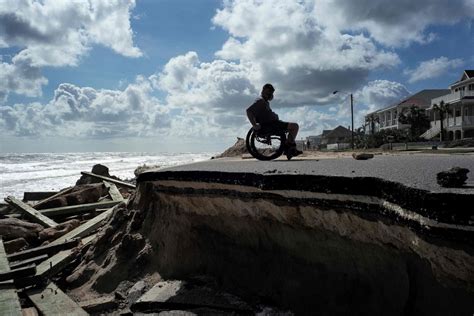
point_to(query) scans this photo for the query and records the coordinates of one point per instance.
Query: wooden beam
(36, 196)
(77, 209)
(49, 249)
(9, 302)
(118, 182)
(113, 191)
(30, 212)
(19, 273)
(64, 191)
(56, 263)
(100, 304)
(34, 260)
(84, 229)
(52, 301)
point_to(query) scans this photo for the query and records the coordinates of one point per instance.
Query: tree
(417, 119)
(441, 108)
(371, 119)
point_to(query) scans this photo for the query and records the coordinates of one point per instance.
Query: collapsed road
(311, 236)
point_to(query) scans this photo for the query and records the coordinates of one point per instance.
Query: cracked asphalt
(415, 170)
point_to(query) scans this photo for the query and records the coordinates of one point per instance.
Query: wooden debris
(36, 196)
(30, 212)
(47, 249)
(34, 260)
(118, 182)
(100, 304)
(62, 192)
(15, 245)
(77, 209)
(84, 229)
(9, 303)
(177, 295)
(114, 193)
(52, 301)
(12, 228)
(56, 263)
(30, 311)
(18, 273)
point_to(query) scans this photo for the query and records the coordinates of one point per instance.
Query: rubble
(453, 178)
(36, 249)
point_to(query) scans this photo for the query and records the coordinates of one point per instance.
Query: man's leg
(293, 129)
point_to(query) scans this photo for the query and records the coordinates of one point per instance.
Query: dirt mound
(238, 149)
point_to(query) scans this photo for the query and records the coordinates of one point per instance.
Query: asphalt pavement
(415, 170)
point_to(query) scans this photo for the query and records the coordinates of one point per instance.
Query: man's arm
(252, 119)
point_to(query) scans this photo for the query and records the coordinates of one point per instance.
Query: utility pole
(352, 122)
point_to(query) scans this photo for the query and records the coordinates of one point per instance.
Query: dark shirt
(262, 112)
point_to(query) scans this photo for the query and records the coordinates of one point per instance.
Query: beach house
(387, 118)
(456, 108)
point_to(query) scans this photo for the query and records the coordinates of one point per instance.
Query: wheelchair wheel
(265, 146)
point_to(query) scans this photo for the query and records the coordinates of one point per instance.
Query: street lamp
(352, 119)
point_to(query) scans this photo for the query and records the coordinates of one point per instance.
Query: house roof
(467, 74)
(339, 131)
(421, 99)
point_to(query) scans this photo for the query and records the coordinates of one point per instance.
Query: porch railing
(453, 97)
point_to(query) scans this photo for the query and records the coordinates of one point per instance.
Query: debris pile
(238, 149)
(44, 235)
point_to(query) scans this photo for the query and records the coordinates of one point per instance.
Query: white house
(387, 118)
(458, 122)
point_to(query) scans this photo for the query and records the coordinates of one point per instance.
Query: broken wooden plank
(30, 212)
(77, 209)
(100, 304)
(85, 228)
(41, 250)
(64, 191)
(52, 301)
(56, 263)
(34, 260)
(30, 311)
(175, 294)
(9, 303)
(113, 191)
(36, 196)
(19, 273)
(118, 182)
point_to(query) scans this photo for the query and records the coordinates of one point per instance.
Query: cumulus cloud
(216, 88)
(393, 23)
(59, 33)
(432, 68)
(87, 112)
(293, 49)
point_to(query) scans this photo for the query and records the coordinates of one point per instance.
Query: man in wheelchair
(263, 118)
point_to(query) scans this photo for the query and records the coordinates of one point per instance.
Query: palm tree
(371, 119)
(416, 118)
(442, 108)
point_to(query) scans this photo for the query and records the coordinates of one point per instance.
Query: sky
(178, 75)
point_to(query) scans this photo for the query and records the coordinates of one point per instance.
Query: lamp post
(352, 119)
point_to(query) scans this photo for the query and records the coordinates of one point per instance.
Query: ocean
(30, 172)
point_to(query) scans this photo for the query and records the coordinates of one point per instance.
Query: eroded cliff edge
(310, 244)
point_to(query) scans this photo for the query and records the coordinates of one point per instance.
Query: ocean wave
(54, 171)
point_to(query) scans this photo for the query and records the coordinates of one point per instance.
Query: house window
(458, 112)
(466, 112)
(471, 87)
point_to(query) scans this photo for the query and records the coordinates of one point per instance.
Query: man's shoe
(292, 152)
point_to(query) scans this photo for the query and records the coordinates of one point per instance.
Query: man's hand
(257, 127)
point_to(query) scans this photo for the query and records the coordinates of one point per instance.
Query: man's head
(267, 91)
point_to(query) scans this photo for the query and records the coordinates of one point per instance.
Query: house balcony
(458, 121)
(452, 97)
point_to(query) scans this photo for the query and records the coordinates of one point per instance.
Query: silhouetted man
(261, 116)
